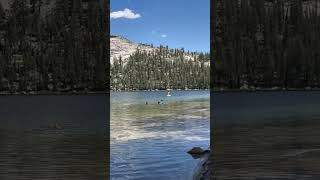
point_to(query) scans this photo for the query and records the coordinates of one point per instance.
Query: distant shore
(53, 93)
(265, 89)
(148, 90)
(227, 89)
(273, 89)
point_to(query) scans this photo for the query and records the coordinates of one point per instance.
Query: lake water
(150, 141)
(32, 148)
(266, 135)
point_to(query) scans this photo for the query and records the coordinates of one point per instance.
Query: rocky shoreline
(202, 170)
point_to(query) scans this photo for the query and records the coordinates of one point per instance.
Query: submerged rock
(55, 126)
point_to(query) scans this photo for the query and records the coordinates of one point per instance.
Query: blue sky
(176, 23)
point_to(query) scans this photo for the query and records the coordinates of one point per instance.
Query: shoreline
(224, 91)
(275, 89)
(155, 90)
(265, 90)
(53, 93)
(215, 90)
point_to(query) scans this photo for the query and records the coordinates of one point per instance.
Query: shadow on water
(31, 148)
(277, 138)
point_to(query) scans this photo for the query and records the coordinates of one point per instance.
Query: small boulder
(55, 126)
(197, 151)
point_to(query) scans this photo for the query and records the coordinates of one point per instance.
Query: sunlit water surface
(150, 140)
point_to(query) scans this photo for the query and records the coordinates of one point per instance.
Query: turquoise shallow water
(152, 97)
(150, 141)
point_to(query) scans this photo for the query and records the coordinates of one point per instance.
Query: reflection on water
(31, 148)
(270, 135)
(150, 141)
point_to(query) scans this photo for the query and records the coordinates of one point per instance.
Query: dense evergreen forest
(160, 69)
(53, 45)
(264, 44)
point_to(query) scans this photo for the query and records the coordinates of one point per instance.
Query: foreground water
(266, 135)
(33, 147)
(150, 141)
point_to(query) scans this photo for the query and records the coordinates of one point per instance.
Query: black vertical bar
(108, 89)
(212, 46)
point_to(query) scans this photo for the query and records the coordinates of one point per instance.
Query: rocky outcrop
(122, 47)
(198, 150)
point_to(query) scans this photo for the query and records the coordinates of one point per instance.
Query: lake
(53, 137)
(151, 133)
(266, 135)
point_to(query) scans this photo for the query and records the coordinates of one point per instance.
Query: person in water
(168, 93)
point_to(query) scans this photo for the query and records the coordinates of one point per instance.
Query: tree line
(161, 68)
(264, 43)
(57, 47)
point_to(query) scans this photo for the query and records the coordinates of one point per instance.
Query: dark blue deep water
(266, 135)
(53, 137)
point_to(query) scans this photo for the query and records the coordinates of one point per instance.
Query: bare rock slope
(120, 46)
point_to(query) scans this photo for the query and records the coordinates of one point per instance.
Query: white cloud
(126, 13)
(163, 35)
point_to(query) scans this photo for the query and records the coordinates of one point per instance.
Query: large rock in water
(196, 151)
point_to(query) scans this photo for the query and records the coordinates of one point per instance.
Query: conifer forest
(57, 45)
(161, 68)
(266, 44)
